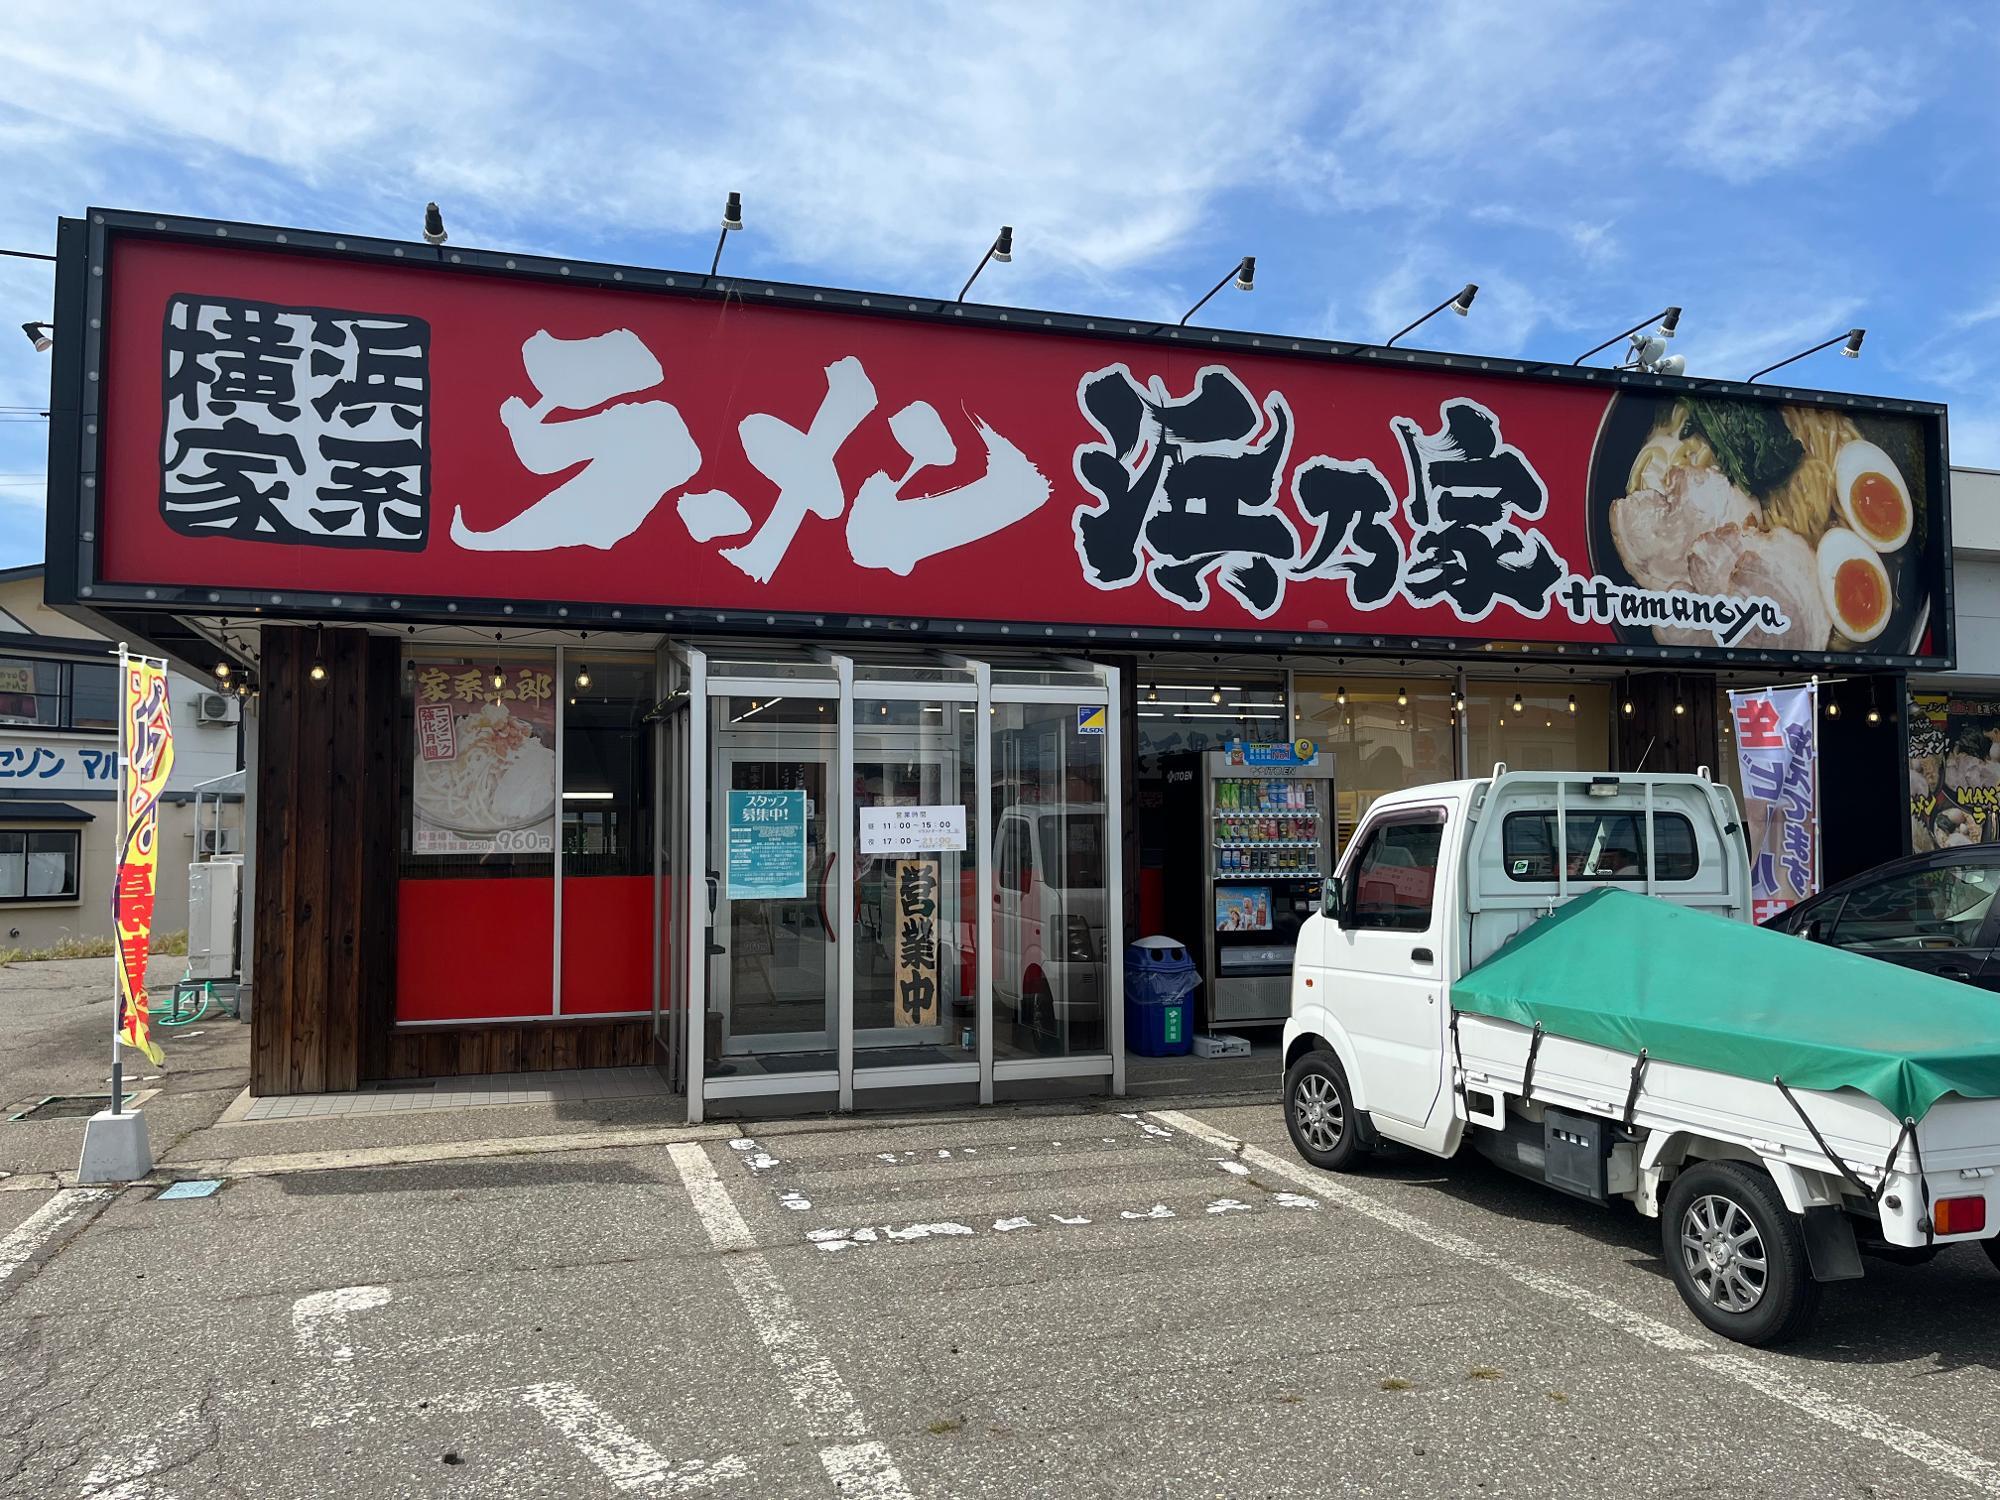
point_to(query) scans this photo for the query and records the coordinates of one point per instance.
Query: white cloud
(1798, 95)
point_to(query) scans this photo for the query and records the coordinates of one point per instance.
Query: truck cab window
(1393, 877)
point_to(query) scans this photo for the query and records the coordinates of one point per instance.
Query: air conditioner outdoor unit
(217, 708)
(219, 841)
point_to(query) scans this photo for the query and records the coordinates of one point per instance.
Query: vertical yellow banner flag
(149, 756)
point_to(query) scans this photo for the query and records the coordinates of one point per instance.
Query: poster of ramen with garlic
(485, 774)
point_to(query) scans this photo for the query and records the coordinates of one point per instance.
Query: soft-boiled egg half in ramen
(1874, 500)
(1854, 585)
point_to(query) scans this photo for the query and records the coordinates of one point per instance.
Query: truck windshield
(1073, 851)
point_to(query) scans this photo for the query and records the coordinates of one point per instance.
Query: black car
(1934, 912)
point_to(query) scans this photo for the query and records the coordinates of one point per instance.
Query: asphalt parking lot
(1011, 1303)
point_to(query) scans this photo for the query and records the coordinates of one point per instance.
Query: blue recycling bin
(1160, 982)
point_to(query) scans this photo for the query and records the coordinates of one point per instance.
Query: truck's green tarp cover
(1627, 971)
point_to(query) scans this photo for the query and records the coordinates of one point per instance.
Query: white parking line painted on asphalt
(42, 1225)
(1912, 1443)
(319, 1320)
(627, 1460)
(859, 1466)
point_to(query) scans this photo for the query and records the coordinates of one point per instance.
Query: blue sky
(1781, 172)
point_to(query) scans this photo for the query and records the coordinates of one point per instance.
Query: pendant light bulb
(1517, 703)
(1572, 702)
(318, 671)
(1628, 705)
(583, 677)
(1215, 695)
(1341, 696)
(1402, 698)
(499, 679)
(222, 671)
(1832, 709)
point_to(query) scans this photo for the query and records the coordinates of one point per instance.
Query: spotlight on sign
(1002, 250)
(433, 225)
(1460, 304)
(732, 219)
(1245, 277)
(1851, 349)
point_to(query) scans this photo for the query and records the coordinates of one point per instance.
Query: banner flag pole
(124, 801)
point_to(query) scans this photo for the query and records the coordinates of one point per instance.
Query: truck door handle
(1954, 973)
(1420, 955)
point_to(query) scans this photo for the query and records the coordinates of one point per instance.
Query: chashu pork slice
(1745, 562)
(1655, 530)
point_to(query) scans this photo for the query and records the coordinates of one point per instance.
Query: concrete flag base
(115, 1148)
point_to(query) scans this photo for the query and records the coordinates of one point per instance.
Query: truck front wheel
(1737, 1254)
(1319, 1112)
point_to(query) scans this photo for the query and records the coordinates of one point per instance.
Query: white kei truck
(1559, 969)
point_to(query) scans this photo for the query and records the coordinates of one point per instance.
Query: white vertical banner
(1777, 754)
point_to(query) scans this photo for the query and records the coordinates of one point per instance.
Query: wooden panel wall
(1655, 738)
(326, 810)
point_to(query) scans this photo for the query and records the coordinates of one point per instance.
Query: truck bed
(1958, 1138)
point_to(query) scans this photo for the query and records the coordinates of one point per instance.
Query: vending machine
(1259, 819)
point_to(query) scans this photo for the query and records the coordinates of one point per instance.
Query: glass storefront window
(607, 834)
(1539, 726)
(916, 976)
(1052, 850)
(1384, 735)
(475, 935)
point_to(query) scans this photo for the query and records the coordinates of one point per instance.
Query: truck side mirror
(1329, 900)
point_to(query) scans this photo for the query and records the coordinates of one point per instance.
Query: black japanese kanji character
(917, 995)
(225, 495)
(389, 368)
(1203, 499)
(917, 943)
(1352, 504)
(1468, 490)
(917, 889)
(372, 475)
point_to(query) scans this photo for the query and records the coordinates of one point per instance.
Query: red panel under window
(607, 944)
(474, 949)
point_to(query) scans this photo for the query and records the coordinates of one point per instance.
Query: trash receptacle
(1160, 982)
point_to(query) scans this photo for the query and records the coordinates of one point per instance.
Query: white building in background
(1975, 582)
(59, 775)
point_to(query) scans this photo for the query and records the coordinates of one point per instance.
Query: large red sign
(287, 423)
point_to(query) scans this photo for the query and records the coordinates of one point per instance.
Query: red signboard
(284, 423)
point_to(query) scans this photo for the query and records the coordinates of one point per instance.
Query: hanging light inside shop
(1874, 713)
(582, 677)
(1518, 705)
(1152, 695)
(499, 679)
(1341, 697)
(222, 671)
(1832, 709)
(1572, 702)
(1215, 695)
(1402, 698)
(318, 669)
